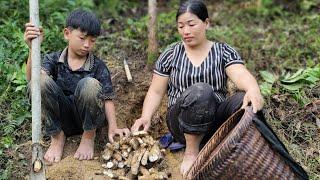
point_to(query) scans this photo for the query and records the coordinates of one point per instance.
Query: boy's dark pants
(75, 113)
(198, 111)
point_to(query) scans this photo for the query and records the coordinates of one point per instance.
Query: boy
(76, 88)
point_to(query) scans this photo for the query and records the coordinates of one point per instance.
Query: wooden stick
(152, 31)
(37, 172)
(127, 70)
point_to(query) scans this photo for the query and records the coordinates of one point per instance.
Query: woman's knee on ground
(199, 93)
(198, 109)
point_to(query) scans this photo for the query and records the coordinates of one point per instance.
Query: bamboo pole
(37, 170)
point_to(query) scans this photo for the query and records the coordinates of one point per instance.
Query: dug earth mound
(130, 96)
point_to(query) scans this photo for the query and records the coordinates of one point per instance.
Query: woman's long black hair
(195, 7)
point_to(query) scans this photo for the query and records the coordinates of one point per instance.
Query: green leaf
(16, 81)
(266, 89)
(19, 88)
(314, 71)
(268, 77)
(13, 76)
(307, 76)
(301, 97)
(6, 142)
(292, 87)
(306, 5)
(22, 118)
(293, 78)
(312, 79)
(130, 21)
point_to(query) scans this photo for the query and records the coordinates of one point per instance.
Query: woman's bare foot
(54, 153)
(188, 160)
(191, 152)
(86, 148)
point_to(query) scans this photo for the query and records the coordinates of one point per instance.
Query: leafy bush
(291, 83)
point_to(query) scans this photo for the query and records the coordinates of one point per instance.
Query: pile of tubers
(134, 157)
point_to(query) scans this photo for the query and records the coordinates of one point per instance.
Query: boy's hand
(32, 32)
(141, 122)
(114, 131)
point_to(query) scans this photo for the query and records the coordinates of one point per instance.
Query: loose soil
(128, 104)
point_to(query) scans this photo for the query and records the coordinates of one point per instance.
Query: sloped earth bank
(295, 125)
(128, 104)
(291, 123)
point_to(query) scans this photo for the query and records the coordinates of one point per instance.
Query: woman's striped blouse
(174, 63)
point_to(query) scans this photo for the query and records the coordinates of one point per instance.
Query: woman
(194, 73)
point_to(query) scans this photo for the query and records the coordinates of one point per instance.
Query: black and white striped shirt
(174, 63)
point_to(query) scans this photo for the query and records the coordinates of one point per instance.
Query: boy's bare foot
(86, 147)
(188, 160)
(54, 153)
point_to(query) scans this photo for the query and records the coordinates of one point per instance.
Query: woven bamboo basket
(239, 151)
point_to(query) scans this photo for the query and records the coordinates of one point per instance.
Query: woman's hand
(256, 99)
(145, 123)
(116, 131)
(32, 32)
(243, 79)
(151, 102)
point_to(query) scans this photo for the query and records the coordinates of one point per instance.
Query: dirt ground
(70, 168)
(128, 104)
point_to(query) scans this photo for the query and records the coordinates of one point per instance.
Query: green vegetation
(279, 41)
(293, 84)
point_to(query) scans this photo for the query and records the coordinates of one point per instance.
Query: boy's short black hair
(85, 21)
